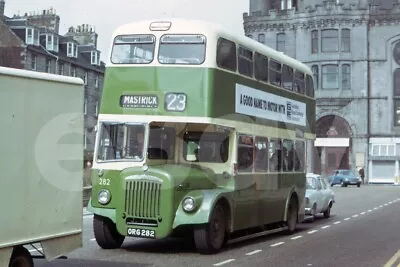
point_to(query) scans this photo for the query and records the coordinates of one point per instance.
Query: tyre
(21, 258)
(106, 234)
(313, 212)
(358, 185)
(291, 216)
(327, 213)
(209, 238)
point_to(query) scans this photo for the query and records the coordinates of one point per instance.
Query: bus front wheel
(21, 258)
(209, 238)
(106, 234)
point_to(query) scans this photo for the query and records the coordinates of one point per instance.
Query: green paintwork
(190, 177)
(206, 200)
(253, 199)
(211, 92)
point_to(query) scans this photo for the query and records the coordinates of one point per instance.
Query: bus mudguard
(204, 202)
(108, 213)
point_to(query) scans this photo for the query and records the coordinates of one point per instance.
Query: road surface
(363, 230)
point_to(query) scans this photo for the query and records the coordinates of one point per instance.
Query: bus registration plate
(141, 233)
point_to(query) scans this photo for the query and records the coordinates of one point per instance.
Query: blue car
(344, 178)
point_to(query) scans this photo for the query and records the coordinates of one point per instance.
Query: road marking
(380, 206)
(362, 213)
(223, 262)
(296, 237)
(369, 210)
(277, 244)
(393, 259)
(347, 219)
(337, 222)
(313, 231)
(326, 226)
(253, 252)
(390, 202)
(385, 204)
(355, 215)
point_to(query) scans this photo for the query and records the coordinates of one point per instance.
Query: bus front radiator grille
(142, 199)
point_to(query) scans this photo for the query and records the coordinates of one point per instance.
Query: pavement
(362, 231)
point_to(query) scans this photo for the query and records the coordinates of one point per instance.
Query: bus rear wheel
(106, 234)
(21, 258)
(209, 238)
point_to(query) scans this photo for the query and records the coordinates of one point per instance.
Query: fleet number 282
(104, 181)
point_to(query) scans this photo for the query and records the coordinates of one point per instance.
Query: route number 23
(104, 181)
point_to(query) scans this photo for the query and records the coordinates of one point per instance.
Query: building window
(73, 71)
(32, 36)
(48, 65)
(330, 40)
(97, 108)
(382, 150)
(52, 42)
(346, 76)
(250, 36)
(280, 42)
(314, 41)
(33, 62)
(345, 46)
(61, 69)
(315, 71)
(96, 81)
(95, 58)
(330, 77)
(397, 112)
(72, 50)
(261, 38)
(286, 4)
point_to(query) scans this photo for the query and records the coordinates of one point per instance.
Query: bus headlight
(188, 204)
(104, 196)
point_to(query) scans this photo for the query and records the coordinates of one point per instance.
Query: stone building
(33, 42)
(353, 49)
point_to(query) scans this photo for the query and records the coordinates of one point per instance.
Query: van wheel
(106, 234)
(292, 216)
(209, 238)
(21, 258)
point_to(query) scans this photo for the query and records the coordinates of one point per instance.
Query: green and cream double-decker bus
(200, 132)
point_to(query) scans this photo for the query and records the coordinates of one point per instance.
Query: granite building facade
(353, 49)
(33, 42)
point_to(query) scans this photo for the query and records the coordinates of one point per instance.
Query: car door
(320, 196)
(325, 193)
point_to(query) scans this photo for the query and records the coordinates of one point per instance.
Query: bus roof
(186, 26)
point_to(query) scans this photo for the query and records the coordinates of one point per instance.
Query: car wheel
(327, 213)
(313, 212)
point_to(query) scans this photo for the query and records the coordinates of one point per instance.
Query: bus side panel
(223, 91)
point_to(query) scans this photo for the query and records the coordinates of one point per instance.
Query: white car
(319, 197)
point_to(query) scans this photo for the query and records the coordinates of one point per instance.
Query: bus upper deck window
(182, 49)
(133, 49)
